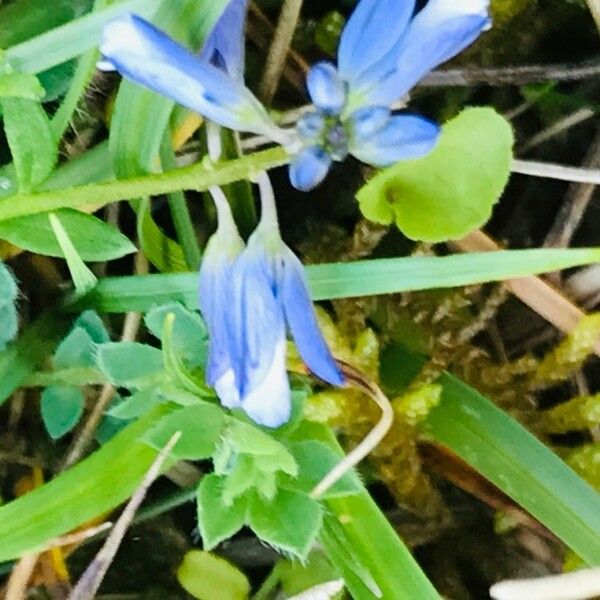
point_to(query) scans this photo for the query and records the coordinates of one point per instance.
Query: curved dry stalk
(359, 381)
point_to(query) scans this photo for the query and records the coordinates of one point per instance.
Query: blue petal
(214, 296)
(150, 58)
(366, 122)
(439, 32)
(224, 47)
(269, 403)
(309, 168)
(300, 316)
(326, 89)
(373, 29)
(405, 137)
(256, 318)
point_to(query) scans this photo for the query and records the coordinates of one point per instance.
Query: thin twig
(543, 298)
(357, 380)
(578, 197)
(91, 579)
(19, 578)
(571, 120)
(78, 537)
(554, 171)
(286, 25)
(569, 586)
(131, 327)
(519, 75)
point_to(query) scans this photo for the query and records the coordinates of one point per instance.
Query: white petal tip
(105, 65)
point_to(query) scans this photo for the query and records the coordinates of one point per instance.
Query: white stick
(578, 585)
(554, 171)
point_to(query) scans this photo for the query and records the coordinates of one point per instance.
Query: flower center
(326, 131)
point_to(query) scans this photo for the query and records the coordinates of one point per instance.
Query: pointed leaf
(291, 522)
(218, 520)
(31, 142)
(93, 239)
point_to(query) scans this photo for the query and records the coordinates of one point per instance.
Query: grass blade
(72, 39)
(345, 280)
(506, 454)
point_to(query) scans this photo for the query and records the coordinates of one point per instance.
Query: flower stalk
(197, 177)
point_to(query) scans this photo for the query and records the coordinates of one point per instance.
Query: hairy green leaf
(31, 142)
(291, 522)
(62, 407)
(200, 428)
(217, 519)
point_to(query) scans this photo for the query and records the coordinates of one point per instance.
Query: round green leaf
(451, 191)
(62, 408)
(93, 239)
(209, 577)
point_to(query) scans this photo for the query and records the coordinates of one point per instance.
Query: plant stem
(198, 177)
(180, 214)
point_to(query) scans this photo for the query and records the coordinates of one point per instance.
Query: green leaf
(451, 191)
(140, 120)
(60, 44)
(21, 20)
(209, 577)
(351, 279)
(92, 488)
(10, 324)
(8, 308)
(21, 85)
(291, 522)
(315, 460)
(362, 544)
(8, 286)
(129, 364)
(296, 577)
(243, 476)
(62, 408)
(200, 428)
(30, 350)
(190, 336)
(137, 404)
(244, 438)
(506, 454)
(31, 142)
(93, 324)
(83, 279)
(77, 349)
(217, 520)
(191, 382)
(93, 239)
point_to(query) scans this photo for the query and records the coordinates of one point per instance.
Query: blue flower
(224, 47)
(221, 252)
(249, 304)
(384, 51)
(149, 57)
